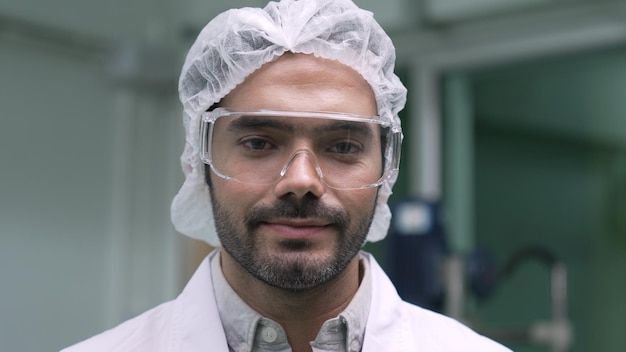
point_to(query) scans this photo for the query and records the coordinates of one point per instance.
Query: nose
(300, 175)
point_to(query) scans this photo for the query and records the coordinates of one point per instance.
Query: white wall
(87, 169)
(55, 152)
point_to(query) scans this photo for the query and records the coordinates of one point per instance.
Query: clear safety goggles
(259, 147)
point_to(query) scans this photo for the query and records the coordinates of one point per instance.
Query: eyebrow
(248, 122)
(351, 126)
(254, 122)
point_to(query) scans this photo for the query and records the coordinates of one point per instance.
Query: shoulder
(442, 333)
(188, 323)
(145, 332)
(408, 327)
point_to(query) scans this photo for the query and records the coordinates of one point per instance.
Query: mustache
(308, 207)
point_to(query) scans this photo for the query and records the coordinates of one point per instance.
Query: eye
(345, 148)
(256, 144)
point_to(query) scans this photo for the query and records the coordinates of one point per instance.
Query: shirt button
(269, 334)
(355, 346)
(244, 347)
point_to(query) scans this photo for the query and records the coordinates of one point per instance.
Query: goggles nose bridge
(312, 160)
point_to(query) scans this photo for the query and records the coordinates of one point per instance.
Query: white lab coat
(191, 322)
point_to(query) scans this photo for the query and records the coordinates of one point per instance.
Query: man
(292, 147)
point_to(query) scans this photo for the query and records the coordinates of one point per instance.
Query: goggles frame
(390, 151)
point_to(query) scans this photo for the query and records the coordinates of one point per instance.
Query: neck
(300, 313)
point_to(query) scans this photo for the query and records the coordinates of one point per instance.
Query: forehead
(300, 82)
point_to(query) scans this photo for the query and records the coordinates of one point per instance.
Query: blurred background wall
(515, 125)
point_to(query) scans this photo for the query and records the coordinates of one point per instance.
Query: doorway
(549, 171)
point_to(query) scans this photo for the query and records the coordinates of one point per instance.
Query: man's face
(296, 233)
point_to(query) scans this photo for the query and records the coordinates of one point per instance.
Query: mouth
(298, 228)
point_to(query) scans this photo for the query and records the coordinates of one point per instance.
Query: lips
(289, 218)
(298, 228)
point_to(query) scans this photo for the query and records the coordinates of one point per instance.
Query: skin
(297, 269)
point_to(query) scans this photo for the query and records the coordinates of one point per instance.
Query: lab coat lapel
(197, 325)
(386, 329)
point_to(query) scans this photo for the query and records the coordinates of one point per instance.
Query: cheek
(236, 197)
(362, 201)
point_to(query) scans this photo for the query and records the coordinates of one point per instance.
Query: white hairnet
(238, 42)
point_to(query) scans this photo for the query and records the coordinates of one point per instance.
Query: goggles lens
(259, 147)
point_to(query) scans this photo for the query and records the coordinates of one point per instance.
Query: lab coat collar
(384, 326)
(196, 321)
(197, 326)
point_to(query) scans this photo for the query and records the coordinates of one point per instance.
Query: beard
(299, 272)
